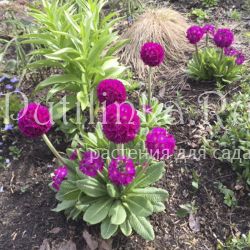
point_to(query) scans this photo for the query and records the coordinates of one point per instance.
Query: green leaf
(151, 193)
(152, 174)
(118, 213)
(59, 79)
(64, 205)
(69, 190)
(126, 228)
(142, 226)
(139, 206)
(98, 211)
(108, 229)
(112, 190)
(92, 187)
(158, 207)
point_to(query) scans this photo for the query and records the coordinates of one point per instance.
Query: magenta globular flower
(240, 59)
(160, 144)
(34, 120)
(230, 51)
(121, 170)
(121, 123)
(91, 163)
(73, 156)
(152, 54)
(208, 29)
(111, 91)
(60, 175)
(223, 38)
(194, 34)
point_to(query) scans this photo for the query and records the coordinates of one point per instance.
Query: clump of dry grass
(165, 26)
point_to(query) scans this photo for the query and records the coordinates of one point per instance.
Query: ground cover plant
(98, 155)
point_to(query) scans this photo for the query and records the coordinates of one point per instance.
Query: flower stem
(197, 52)
(150, 87)
(53, 150)
(221, 54)
(91, 108)
(207, 40)
(120, 148)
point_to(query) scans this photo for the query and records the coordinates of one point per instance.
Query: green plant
(187, 209)
(199, 14)
(124, 209)
(229, 196)
(211, 65)
(81, 43)
(236, 243)
(235, 15)
(209, 3)
(229, 139)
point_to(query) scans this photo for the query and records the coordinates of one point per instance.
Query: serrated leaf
(98, 211)
(108, 229)
(142, 226)
(69, 190)
(158, 207)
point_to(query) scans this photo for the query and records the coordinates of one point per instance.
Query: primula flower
(60, 175)
(111, 91)
(223, 38)
(160, 144)
(34, 120)
(230, 51)
(152, 54)
(73, 156)
(91, 164)
(194, 34)
(240, 59)
(120, 123)
(121, 170)
(209, 29)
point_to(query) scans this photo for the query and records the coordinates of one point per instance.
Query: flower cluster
(91, 163)
(34, 120)
(60, 175)
(194, 34)
(160, 143)
(9, 81)
(224, 38)
(208, 29)
(121, 170)
(240, 58)
(121, 123)
(152, 54)
(110, 91)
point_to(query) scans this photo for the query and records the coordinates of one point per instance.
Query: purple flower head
(9, 86)
(230, 51)
(208, 29)
(34, 120)
(121, 170)
(14, 80)
(8, 127)
(240, 59)
(194, 34)
(147, 109)
(111, 91)
(223, 38)
(152, 54)
(160, 144)
(60, 175)
(3, 78)
(91, 163)
(73, 156)
(121, 123)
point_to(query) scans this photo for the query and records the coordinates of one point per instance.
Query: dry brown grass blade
(165, 26)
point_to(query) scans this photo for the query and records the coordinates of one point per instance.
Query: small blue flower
(17, 90)
(3, 78)
(8, 127)
(9, 86)
(1, 143)
(14, 80)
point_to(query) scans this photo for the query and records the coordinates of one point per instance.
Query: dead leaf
(45, 245)
(92, 244)
(55, 230)
(69, 245)
(194, 223)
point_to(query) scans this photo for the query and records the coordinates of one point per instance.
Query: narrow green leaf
(92, 187)
(126, 228)
(108, 229)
